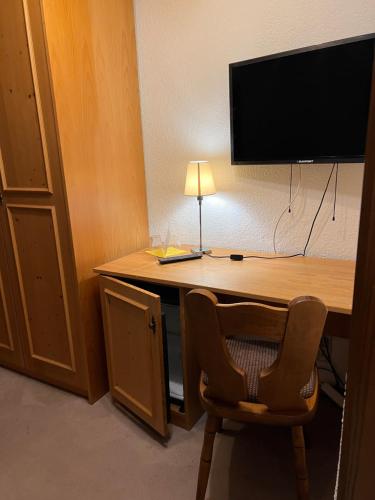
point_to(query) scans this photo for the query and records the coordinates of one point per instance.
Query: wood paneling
(130, 378)
(93, 60)
(133, 333)
(40, 263)
(93, 66)
(71, 176)
(41, 277)
(24, 157)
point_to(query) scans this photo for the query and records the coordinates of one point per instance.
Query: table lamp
(199, 183)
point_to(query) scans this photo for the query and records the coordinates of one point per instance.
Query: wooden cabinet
(134, 344)
(151, 367)
(71, 180)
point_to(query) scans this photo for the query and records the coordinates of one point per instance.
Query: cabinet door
(134, 345)
(36, 231)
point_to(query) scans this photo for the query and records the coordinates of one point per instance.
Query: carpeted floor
(55, 446)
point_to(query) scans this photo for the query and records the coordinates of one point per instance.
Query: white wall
(184, 48)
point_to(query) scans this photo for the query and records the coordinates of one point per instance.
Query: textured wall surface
(184, 48)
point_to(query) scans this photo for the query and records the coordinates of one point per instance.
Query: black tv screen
(303, 106)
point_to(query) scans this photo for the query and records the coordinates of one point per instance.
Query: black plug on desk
(236, 256)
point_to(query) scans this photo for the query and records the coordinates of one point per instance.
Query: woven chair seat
(253, 356)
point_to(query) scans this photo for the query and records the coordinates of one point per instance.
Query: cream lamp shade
(199, 179)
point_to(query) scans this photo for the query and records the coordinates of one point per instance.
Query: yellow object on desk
(169, 252)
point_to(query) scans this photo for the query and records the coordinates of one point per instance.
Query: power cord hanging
(291, 203)
(318, 211)
(299, 254)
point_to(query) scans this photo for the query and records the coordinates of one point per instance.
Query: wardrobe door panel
(37, 235)
(40, 272)
(24, 162)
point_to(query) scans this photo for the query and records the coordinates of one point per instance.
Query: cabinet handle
(152, 325)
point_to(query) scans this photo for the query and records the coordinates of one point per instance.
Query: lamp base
(201, 250)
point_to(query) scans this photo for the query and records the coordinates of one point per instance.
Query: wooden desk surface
(276, 281)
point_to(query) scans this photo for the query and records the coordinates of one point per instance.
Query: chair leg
(212, 426)
(300, 463)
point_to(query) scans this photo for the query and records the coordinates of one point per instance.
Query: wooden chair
(257, 365)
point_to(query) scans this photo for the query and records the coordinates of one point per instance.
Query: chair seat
(255, 355)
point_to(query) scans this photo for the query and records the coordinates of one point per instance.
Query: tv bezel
(311, 48)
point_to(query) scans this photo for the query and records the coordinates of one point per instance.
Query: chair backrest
(298, 328)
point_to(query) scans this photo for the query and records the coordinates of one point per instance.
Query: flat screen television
(303, 106)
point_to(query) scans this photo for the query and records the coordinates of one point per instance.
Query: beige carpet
(55, 446)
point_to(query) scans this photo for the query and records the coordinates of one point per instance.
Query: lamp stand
(200, 249)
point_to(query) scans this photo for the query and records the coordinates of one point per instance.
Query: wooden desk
(276, 281)
(272, 281)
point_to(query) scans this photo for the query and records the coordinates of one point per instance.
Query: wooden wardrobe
(72, 183)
